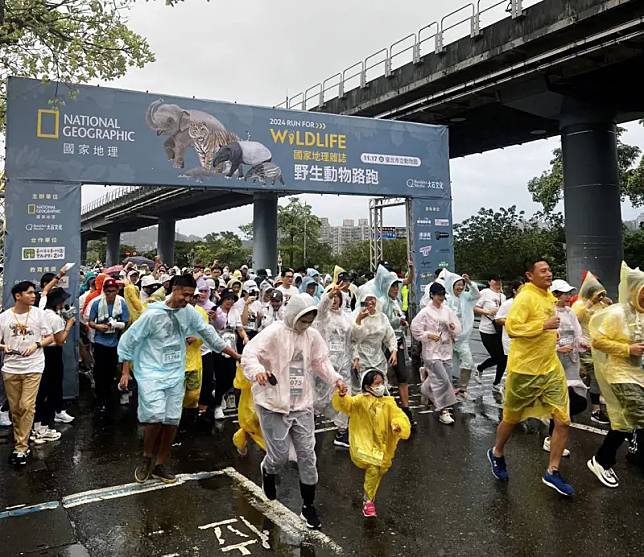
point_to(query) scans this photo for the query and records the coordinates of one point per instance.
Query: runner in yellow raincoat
(376, 425)
(592, 299)
(248, 420)
(194, 366)
(536, 385)
(617, 335)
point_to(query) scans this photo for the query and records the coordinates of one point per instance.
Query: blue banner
(85, 134)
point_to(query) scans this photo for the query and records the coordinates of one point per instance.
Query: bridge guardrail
(348, 76)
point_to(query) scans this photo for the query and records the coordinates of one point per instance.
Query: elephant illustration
(187, 128)
(251, 153)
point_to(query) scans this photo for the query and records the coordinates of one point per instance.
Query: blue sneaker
(556, 482)
(499, 470)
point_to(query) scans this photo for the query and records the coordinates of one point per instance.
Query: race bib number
(171, 355)
(296, 380)
(336, 346)
(229, 338)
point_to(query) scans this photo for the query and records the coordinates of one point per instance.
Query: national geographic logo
(47, 123)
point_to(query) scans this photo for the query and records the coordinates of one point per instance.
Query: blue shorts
(160, 404)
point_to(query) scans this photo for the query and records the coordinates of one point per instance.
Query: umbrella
(113, 270)
(140, 260)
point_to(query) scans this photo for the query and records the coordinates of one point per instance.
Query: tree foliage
(491, 242)
(634, 247)
(547, 189)
(74, 41)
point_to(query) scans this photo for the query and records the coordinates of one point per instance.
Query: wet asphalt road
(438, 499)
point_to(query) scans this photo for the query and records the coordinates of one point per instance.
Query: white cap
(211, 284)
(148, 280)
(561, 285)
(165, 278)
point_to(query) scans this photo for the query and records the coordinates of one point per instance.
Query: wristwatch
(38, 345)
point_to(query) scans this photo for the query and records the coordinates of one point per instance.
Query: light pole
(306, 219)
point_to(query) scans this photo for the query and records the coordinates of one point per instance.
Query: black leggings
(50, 391)
(607, 454)
(494, 345)
(208, 364)
(225, 369)
(576, 406)
(106, 362)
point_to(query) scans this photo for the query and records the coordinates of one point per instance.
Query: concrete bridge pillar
(165, 239)
(265, 231)
(591, 193)
(112, 254)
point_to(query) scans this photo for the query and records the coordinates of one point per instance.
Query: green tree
(75, 41)
(501, 241)
(547, 189)
(634, 247)
(355, 256)
(298, 229)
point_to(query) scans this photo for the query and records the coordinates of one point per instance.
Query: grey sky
(260, 51)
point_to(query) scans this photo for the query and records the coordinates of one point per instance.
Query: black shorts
(399, 372)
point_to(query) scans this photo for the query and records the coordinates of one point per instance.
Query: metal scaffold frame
(376, 206)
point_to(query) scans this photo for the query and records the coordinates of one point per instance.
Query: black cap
(437, 288)
(277, 295)
(228, 293)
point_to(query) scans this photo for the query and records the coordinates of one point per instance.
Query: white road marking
(213, 524)
(105, 493)
(590, 428)
(277, 513)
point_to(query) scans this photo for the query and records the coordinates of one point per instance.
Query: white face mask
(377, 391)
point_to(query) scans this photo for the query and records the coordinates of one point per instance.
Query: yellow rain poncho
(620, 375)
(248, 420)
(591, 300)
(371, 436)
(536, 384)
(194, 368)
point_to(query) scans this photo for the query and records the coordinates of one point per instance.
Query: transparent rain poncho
(590, 300)
(295, 359)
(462, 305)
(392, 308)
(371, 335)
(620, 375)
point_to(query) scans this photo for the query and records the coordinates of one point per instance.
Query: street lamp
(306, 219)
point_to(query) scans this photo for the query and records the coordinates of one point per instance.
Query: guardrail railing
(411, 48)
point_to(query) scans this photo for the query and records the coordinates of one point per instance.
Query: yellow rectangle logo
(46, 127)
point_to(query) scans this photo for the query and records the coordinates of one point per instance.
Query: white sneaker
(497, 388)
(125, 399)
(604, 475)
(63, 417)
(36, 438)
(546, 447)
(223, 401)
(219, 413)
(5, 421)
(48, 434)
(445, 418)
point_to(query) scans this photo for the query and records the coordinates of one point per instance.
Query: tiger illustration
(207, 141)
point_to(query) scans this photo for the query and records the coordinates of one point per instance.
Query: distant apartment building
(338, 237)
(635, 224)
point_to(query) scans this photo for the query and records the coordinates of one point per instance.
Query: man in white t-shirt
(502, 315)
(487, 306)
(286, 288)
(24, 330)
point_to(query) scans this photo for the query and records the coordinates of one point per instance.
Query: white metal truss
(376, 206)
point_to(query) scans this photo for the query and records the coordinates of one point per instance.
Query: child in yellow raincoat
(248, 420)
(194, 366)
(376, 425)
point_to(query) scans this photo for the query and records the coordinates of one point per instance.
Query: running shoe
(124, 399)
(63, 417)
(143, 470)
(20, 459)
(5, 420)
(445, 418)
(497, 463)
(477, 375)
(556, 482)
(497, 388)
(407, 413)
(546, 447)
(268, 483)
(45, 435)
(369, 509)
(342, 439)
(310, 516)
(12, 457)
(161, 472)
(605, 475)
(599, 418)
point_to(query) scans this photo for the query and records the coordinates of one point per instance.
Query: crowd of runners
(182, 344)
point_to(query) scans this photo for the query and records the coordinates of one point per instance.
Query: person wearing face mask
(592, 299)
(371, 331)
(617, 335)
(335, 327)
(436, 326)
(149, 285)
(375, 427)
(282, 362)
(461, 297)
